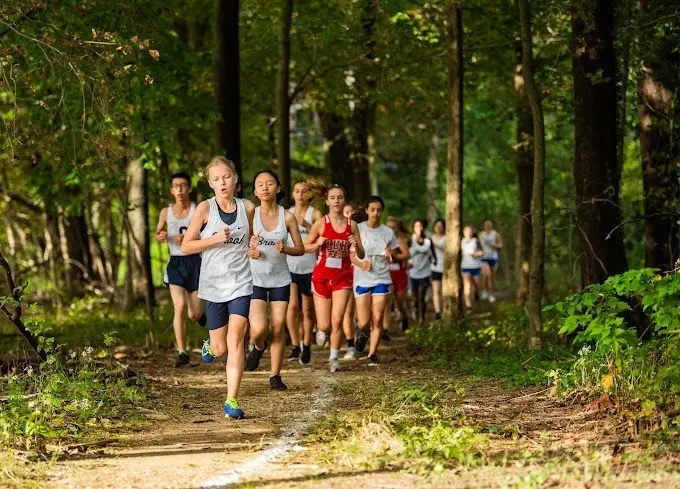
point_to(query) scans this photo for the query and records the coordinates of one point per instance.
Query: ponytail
(318, 191)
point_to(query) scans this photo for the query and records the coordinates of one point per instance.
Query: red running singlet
(333, 269)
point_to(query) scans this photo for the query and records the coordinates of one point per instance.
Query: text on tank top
(176, 227)
(334, 253)
(271, 269)
(225, 268)
(302, 264)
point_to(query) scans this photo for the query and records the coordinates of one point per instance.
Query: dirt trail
(190, 445)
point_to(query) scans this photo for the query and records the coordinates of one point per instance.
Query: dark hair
(372, 199)
(421, 220)
(439, 220)
(401, 227)
(358, 212)
(182, 175)
(279, 195)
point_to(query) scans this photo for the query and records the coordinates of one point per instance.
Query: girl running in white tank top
(271, 279)
(220, 229)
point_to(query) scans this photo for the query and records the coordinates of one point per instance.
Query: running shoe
(373, 360)
(206, 352)
(484, 295)
(351, 354)
(404, 323)
(295, 354)
(321, 338)
(306, 355)
(362, 339)
(253, 360)
(492, 299)
(232, 410)
(334, 365)
(276, 384)
(182, 359)
(386, 335)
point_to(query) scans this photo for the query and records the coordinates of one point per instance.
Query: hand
(254, 240)
(388, 255)
(178, 239)
(352, 240)
(222, 236)
(366, 265)
(301, 221)
(162, 236)
(254, 253)
(279, 246)
(320, 241)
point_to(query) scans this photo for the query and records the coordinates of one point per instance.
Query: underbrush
(407, 429)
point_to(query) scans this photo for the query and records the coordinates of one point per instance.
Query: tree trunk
(338, 158)
(111, 249)
(453, 284)
(51, 255)
(227, 86)
(597, 171)
(524, 167)
(364, 151)
(75, 254)
(534, 303)
(431, 179)
(283, 97)
(95, 248)
(658, 98)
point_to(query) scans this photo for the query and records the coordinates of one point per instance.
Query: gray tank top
(225, 270)
(304, 264)
(271, 269)
(177, 227)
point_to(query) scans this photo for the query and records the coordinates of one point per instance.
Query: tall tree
(282, 95)
(524, 167)
(453, 284)
(227, 85)
(597, 169)
(431, 179)
(338, 156)
(534, 303)
(658, 99)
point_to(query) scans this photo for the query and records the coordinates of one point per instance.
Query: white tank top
(271, 269)
(304, 264)
(225, 271)
(177, 227)
(488, 240)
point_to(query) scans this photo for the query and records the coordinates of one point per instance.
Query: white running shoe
(492, 299)
(484, 295)
(350, 355)
(321, 338)
(334, 365)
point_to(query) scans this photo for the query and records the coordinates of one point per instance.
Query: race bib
(393, 267)
(333, 262)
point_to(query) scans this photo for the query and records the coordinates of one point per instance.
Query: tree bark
(75, 253)
(431, 179)
(453, 284)
(338, 157)
(282, 95)
(597, 170)
(524, 167)
(658, 98)
(535, 300)
(227, 84)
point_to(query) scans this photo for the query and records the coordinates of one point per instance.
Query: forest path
(535, 441)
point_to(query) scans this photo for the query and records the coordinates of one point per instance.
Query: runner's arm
(401, 252)
(160, 234)
(250, 212)
(358, 247)
(312, 245)
(499, 241)
(292, 225)
(192, 242)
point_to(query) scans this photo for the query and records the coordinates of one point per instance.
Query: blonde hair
(401, 230)
(318, 191)
(220, 160)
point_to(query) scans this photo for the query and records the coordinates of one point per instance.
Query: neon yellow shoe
(232, 409)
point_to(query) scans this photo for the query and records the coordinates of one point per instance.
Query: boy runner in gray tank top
(221, 229)
(182, 271)
(271, 279)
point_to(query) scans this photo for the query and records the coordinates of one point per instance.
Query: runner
(471, 264)
(491, 243)
(220, 229)
(398, 275)
(301, 267)
(272, 225)
(181, 274)
(372, 281)
(422, 256)
(332, 276)
(439, 242)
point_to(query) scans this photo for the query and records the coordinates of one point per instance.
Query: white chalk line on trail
(282, 446)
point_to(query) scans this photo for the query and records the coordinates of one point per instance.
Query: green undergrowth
(412, 427)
